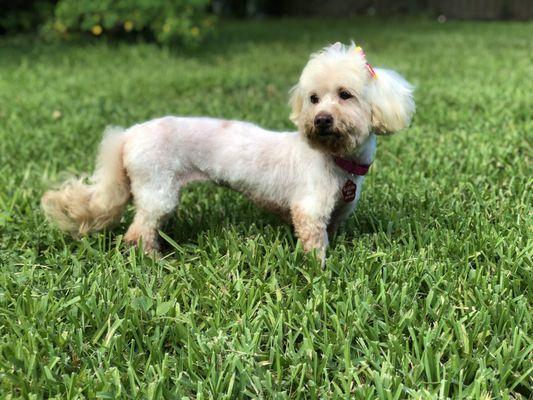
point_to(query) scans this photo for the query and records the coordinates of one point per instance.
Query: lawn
(426, 292)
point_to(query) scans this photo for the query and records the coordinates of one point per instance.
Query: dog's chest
(348, 192)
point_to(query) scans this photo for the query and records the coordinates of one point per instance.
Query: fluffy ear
(296, 102)
(391, 100)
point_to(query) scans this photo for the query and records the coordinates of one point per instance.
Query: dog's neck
(359, 162)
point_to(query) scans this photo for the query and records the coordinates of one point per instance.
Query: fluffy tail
(79, 207)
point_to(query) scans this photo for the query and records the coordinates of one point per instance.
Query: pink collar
(352, 167)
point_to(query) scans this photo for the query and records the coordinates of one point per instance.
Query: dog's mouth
(339, 140)
(330, 140)
(333, 132)
(326, 132)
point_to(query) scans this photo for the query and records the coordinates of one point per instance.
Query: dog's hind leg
(154, 200)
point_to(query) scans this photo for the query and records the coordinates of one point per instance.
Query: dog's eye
(345, 95)
(314, 98)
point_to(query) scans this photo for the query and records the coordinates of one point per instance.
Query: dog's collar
(352, 167)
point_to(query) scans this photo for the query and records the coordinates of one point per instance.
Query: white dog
(313, 176)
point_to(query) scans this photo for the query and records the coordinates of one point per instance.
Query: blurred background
(189, 21)
(426, 293)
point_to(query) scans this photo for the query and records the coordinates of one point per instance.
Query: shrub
(24, 15)
(167, 21)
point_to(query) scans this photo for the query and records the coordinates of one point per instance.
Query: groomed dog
(313, 176)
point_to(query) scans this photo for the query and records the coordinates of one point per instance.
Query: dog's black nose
(323, 121)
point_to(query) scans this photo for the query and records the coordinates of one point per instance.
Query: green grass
(426, 293)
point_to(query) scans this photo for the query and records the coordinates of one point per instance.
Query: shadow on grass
(208, 211)
(211, 211)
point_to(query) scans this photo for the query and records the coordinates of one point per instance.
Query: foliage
(167, 21)
(24, 15)
(426, 293)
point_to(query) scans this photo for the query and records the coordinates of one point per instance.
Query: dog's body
(300, 175)
(278, 170)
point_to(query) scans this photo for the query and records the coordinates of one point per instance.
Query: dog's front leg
(311, 229)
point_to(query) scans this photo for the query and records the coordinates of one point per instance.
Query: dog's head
(340, 99)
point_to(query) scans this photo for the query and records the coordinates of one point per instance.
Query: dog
(312, 177)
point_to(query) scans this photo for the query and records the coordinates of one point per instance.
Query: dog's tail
(80, 207)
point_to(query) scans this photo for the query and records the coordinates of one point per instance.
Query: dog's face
(338, 102)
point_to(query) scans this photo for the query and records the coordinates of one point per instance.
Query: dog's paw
(147, 243)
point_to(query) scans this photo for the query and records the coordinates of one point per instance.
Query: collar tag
(348, 191)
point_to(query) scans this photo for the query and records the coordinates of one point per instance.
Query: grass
(426, 293)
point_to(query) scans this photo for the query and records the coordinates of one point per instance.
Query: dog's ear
(296, 102)
(391, 100)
